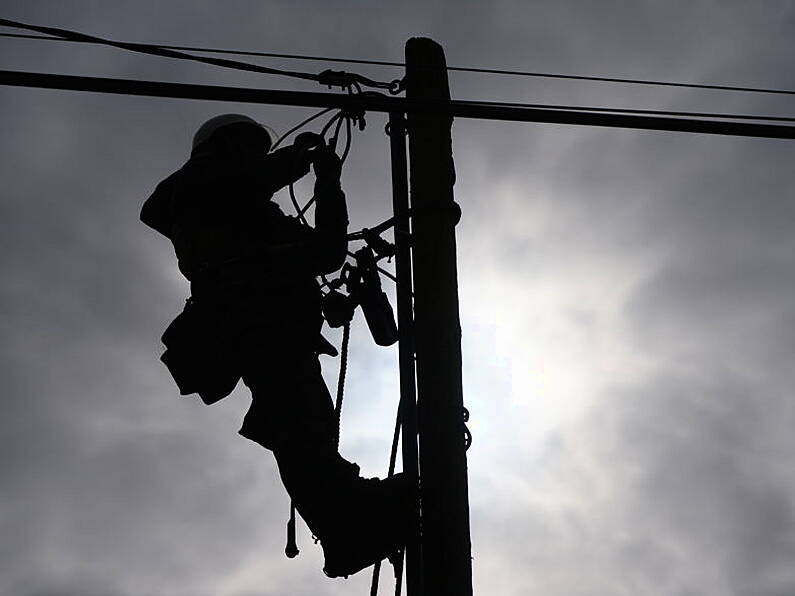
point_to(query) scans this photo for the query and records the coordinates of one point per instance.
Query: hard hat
(207, 129)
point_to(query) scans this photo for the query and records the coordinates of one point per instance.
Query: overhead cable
(634, 111)
(328, 77)
(495, 71)
(382, 103)
(546, 75)
(222, 51)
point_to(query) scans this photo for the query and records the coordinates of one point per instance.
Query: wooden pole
(446, 548)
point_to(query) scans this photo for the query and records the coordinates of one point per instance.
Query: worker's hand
(328, 166)
(307, 140)
(302, 152)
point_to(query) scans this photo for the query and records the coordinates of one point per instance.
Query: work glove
(302, 145)
(307, 140)
(328, 166)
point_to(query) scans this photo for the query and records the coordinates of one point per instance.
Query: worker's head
(233, 132)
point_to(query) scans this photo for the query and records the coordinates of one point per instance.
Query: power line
(167, 52)
(330, 78)
(73, 36)
(221, 51)
(495, 71)
(636, 111)
(525, 73)
(376, 102)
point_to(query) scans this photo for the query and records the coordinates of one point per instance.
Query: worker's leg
(292, 414)
(358, 521)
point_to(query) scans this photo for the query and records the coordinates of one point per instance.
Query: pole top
(426, 70)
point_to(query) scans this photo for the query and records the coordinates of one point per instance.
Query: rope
(346, 335)
(291, 550)
(296, 205)
(299, 126)
(336, 118)
(336, 121)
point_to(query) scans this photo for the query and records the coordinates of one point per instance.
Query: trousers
(292, 414)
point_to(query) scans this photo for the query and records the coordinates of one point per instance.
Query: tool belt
(199, 355)
(208, 344)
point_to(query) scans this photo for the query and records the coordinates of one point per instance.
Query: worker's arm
(288, 164)
(331, 212)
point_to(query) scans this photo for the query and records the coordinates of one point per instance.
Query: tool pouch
(198, 355)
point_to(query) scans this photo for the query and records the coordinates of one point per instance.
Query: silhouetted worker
(254, 313)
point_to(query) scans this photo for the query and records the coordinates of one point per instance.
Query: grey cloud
(675, 485)
(705, 452)
(698, 499)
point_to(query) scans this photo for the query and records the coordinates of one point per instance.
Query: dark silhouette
(254, 312)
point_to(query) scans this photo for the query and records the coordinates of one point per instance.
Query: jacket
(252, 268)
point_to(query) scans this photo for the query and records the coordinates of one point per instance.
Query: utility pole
(446, 548)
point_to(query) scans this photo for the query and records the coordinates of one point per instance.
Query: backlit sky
(626, 303)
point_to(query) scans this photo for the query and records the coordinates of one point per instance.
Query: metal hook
(397, 86)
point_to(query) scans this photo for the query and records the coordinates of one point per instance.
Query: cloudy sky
(626, 301)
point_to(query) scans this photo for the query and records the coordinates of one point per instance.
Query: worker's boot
(376, 524)
(320, 486)
(358, 521)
